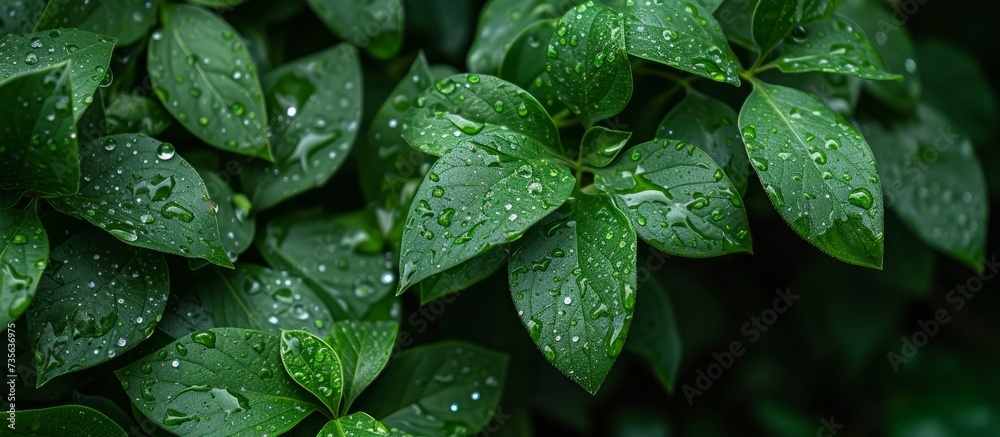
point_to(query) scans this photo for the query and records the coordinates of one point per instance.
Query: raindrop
(165, 151)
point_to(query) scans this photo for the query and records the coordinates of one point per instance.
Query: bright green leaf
(130, 113)
(464, 275)
(218, 382)
(525, 60)
(127, 20)
(203, 74)
(499, 24)
(817, 170)
(573, 283)
(64, 421)
(354, 22)
(24, 253)
(98, 299)
(833, 45)
(364, 349)
(654, 335)
(139, 190)
(358, 425)
(314, 365)
(600, 145)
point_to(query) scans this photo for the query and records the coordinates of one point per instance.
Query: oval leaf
(139, 190)
(818, 171)
(64, 421)
(127, 20)
(364, 349)
(772, 20)
(24, 253)
(313, 365)
(600, 146)
(834, 45)
(97, 299)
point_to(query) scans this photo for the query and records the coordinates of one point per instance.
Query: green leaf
(711, 125)
(19, 16)
(139, 190)
(954, 82)
(710, 5)
(9, 198)
(262, 299)
(588, 62)
(464, 106)
(98, 299)
(375, 25)
(364, 349)
(64, 421)
(218, 382)
(817, 170)
(236, 225)
(342, 262)
(452, 389)
(499, 25)
(126, 20)
(573, 283)
(600, 146)
(45, 148)
(314, 365)
(463, 275)
(24, 253)
(89, 55)
(681, 35)
(358, 425)
(772, 21)
(474, 199)
(834, 45)
(654, 335)
(524, 64)
(130, 113)
(838, 91)
(317, 101)
(202, 73)
(894, 46)
(735, 17)
(678, 199)
(217, 3)
(935, 184)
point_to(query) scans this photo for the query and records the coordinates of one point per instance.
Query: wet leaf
(894, 46)
(142, 192)
(364, 349)
(236, 224)
(573, 283)
(600, 146)
(64, 421)
(524, 64)
(24, 253)
(130, 113)
(354, 22)
(818, 172)
(126, 20)
(654, 335)
(314, 365)
(499, 24)
(218, 382)
(20, 16)
(464, 275)
(735, 17)
(833, 45)
(358, 425)
(98, 299)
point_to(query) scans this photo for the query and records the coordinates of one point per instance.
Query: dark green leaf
(499, 24)
(588, 62)
(600, 146)
(203, 75)
(573, 283)
(130, 113)
(838, 91)
(218, 382)
(24, 253)
(316, 105)
(236, 225)
(358, 425)
(452, 389)
(934, 182)
(19, 16)
(139, 190)
(89, 55)
(654, 335)
(97, 299)
(257, 298)
(710, 125)
(37, 132)
(473, 199)
(710, 5)
(217, 3)
(525, 60)
(833, 45)
(375, 25)
(772, 20)
(64, 421)
(681, 35)
(106, 407)
(894, 46)
(364, 349)
(954, 82)
(463, 106)
(678, 199)
(464, 275)
(127, 20)
(314, 365)
(818, 171)
(9, 198)
(735, 17)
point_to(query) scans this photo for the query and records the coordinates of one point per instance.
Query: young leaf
(37, 131)
(354, 22)
(130, 113)
(126, 20)
(218, 382)
(139, 190)
(64, 421)
(463, 275)
(452, 389)
(318, 104)
(463, 106)
(935, 183)
(834, 45)
(358, 425)
(236, 225)
(313, 365)
(89, 55)
(475, 198)
(678, 199)
(258, 298)
(499, 24)
(588, 62)
(203, 75)
(600, 145)
(97, 299)
(364, 349)
(818, 171)
(573, 283)
(654, 335)
(24, 253)
(681, 35)
(772, 20)
(711, 125)
(524, 64)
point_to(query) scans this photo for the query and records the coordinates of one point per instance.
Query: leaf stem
(563, 119)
